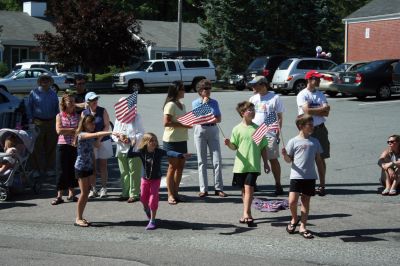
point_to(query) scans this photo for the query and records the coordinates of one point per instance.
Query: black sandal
(57, 201)
(250, 222)
(291, 228)
(306, 234)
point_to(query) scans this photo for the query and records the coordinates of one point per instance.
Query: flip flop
(250, 222)
(242, 220)
(81, 223)
(291, 228)
(306, 234)
(172, 201)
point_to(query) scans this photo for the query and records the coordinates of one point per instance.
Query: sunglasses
(207, 88)
(390, 141)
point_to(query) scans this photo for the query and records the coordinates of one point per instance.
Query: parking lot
(353, 224)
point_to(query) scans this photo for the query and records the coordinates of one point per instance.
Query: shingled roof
(374, 10)
(164, 34)
(19, 28)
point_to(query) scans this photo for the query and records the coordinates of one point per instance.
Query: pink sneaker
(151, 226)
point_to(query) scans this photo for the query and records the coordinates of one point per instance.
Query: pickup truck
(162, 72)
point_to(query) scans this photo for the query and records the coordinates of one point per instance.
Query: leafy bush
(3, 69)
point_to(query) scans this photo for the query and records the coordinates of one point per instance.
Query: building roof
(19, 28)
(165, 34)
(376, 10)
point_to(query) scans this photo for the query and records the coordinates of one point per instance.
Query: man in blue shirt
(42, 106)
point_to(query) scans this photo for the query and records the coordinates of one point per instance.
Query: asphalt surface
(353, 224)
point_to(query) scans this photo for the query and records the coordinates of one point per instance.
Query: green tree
(10, 5)
(91, 33)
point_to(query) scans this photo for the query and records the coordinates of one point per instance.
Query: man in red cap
(311, 101)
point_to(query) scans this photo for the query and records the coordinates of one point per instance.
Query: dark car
(396, 79)
(372, 79)
(264, 66)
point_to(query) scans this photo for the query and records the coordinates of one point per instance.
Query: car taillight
(358, 78)
(289, 78)
(266, 72)
(328, 79)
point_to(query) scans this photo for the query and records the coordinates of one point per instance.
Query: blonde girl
(151, 156)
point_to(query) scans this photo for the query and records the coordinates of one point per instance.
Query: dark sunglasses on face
(207, 88)
(391, 141)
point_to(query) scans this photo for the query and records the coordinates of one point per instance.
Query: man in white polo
(269, 109)
(313, 102)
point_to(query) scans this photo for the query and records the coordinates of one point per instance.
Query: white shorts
(105, 151)
(273, 148)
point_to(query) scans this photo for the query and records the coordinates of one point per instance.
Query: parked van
(264, 66)
(52, 67)
(290, 74)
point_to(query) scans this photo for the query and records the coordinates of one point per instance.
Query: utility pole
(179, 25)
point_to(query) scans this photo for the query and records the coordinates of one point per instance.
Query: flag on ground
(125, 110)
(270, 124)
(200, 115)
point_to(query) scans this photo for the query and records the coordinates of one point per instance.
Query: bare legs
(305, 208)
(276, 171)
(174, 177)
(84, 187)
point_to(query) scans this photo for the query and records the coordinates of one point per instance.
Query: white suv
(289, 77)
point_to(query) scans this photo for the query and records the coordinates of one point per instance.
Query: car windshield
(372, 66)
(340, 68)
(143, 66)
(257, 63)
(285, 64)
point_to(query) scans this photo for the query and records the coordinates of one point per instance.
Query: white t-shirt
(266, 104)
(314, 99)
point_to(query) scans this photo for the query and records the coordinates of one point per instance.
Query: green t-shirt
(248, 153)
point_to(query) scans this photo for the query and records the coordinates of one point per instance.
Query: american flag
(200, 115)
(125, 110)
(270, 125)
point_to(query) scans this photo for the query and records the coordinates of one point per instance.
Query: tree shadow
(8, 205)
(358, 235)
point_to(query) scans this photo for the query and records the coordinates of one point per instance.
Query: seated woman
(389, 161)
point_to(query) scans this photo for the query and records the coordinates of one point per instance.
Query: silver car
(328, 83)
(289, 77)
(24, 80)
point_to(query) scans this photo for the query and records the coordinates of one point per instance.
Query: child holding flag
(247, 167)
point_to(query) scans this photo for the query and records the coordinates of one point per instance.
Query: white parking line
(394, 101)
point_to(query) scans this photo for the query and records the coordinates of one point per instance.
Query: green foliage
(91, 33)
(3, 69)
(238, 31)
(10, 5)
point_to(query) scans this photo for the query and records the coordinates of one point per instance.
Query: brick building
(373, 31)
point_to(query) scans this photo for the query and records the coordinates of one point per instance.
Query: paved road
(353, 224)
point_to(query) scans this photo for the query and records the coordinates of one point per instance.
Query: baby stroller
(17, 177)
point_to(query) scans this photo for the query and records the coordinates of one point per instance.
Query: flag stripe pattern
(270, 125)
(200, 115)
(125, 110)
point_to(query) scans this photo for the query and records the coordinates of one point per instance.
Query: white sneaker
(103, 192)
(92, 193)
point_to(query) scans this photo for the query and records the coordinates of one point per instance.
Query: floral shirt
(84, 161)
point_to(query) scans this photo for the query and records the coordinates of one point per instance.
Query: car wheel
(284, 92)
(361, 97)
(332, 93)
(4, 88)
(299, 86)
(383, 92)
(4, 193)
(135, 85)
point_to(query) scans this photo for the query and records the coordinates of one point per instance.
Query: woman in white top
(130, 134)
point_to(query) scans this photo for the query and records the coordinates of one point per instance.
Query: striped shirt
(68, 121)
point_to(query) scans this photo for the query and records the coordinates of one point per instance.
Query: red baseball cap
(313, 74)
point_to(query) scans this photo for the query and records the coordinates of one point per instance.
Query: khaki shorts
(105, 151)
(321, 133)
(273, 148)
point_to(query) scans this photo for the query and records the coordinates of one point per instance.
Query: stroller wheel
(4, 193)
